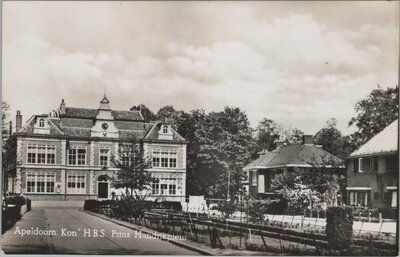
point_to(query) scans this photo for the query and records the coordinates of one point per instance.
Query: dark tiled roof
(80, 112)
(131, 134)
(78, 123)
(77, 132)
(295, 155)
(126, 125)
(91, 114)
(127, 115)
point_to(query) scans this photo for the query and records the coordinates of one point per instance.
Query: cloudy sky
(299, 63)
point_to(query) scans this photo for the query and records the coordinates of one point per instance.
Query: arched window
(165, 129)
(41, 123)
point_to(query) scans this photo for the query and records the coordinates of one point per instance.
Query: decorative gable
(165, 132)
(41, 125)
(104, 125)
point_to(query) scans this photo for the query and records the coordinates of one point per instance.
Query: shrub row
(91, 205)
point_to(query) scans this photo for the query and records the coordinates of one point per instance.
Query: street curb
(178, 243)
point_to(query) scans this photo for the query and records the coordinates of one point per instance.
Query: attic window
(41, 123)
(165, 129)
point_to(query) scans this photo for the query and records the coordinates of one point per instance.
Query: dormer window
(165, 129)
(41, 123)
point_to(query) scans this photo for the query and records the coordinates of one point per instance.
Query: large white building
(67, 154)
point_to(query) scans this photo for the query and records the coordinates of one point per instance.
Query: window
(391, 163)
(51, 154)
(164, 189)
(76, 184)
(104, 157)
(368, 164)
(172, 159)
(156, 158)
(77, 156)
(165, 129)
(165, 158)
(155, 188)
(172, 189)
(41, 154)
(40, 183)
(358, 198)
(41, 123)
(31, 154)
(167, 186)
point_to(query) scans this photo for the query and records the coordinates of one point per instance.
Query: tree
(332, 140)
(225, 142)
(132, 165)
(374, 113)
(169, 115)
(268, 132)
(147, 114)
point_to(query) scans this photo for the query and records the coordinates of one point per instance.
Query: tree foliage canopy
(374, 113)
(132, 167)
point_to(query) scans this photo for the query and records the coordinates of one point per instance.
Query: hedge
(339, 227)
(10, 216)
(92, 204)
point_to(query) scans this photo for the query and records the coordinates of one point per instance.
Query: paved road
(55, 221)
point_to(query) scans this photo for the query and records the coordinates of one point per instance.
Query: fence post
(380, 217)
(369, 217)
(265, 245)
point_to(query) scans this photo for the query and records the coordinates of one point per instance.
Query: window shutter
(356, 162)
(261, 183)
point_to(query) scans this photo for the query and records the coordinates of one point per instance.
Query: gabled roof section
(84, 113)
(295, 156)
(28, 128)
(153, 133)
(385, 141)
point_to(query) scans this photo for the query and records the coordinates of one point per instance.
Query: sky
(298, 63)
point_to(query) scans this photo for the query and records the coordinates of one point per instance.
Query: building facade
(305, 156)
(373, 171)
(68, 154)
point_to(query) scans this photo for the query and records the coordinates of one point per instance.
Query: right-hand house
(373, 171)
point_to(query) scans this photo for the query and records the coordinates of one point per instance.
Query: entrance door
(102, 187)
(102, 190)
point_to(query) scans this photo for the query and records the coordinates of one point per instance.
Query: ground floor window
(76, 184)
(167, 186)
(40, 182)
(358, 198)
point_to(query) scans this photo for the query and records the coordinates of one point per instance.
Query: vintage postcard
(200, 128)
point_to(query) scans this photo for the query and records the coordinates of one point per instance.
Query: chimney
(62, 107)
(10, 129)
(279, 145)
(18, 121)
(308, 140)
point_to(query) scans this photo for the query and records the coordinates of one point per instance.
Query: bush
(227, 208)
(90, 205)
(339, 227)
(17, 200)
(257, 210)
(10, 216)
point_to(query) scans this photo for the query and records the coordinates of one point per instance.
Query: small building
(305, 156)
(373, 171)
(67, 154)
